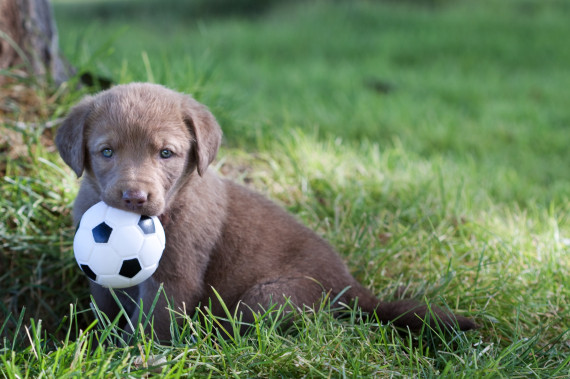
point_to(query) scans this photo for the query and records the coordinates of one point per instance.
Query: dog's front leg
(156, 310)
(105, 303)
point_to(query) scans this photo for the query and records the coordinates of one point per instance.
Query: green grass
(426, 140)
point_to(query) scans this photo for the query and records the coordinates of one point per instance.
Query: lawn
(426, 140)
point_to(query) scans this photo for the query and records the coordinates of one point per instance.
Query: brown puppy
(145, 148)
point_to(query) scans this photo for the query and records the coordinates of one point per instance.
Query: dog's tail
(408, 313)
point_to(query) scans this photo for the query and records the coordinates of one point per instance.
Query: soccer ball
(118, 249)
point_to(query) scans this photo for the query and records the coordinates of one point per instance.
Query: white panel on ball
(128, 242)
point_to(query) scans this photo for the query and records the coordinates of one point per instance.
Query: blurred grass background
(475, 83)
(426, 139)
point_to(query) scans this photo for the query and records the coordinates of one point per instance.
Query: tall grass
(425, 140)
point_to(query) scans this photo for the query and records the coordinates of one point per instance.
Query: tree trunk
(28, 40)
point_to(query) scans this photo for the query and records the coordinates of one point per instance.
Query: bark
(29, 42)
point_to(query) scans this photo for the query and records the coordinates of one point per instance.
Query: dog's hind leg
(278, 295)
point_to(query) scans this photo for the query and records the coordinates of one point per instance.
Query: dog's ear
(70, 138)
(205, 130)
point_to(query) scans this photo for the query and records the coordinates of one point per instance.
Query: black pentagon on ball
(87, 270)
(102, 232)
(130, 268)
(146, 224)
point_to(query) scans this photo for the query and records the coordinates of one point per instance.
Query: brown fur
(218, 234)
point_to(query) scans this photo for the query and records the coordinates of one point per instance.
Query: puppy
(144, 148)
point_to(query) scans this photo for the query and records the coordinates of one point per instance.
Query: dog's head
(137, 143)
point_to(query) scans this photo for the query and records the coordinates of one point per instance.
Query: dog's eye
(107, 153)
(165, 153)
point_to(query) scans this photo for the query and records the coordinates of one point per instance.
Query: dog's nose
(134, 198)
